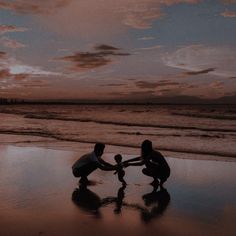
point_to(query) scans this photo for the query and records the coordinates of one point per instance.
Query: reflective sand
(38, 196)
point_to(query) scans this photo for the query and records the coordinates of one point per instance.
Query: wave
(177, 135)
(59, 137)
(210, 116)
(45, 115)
(129, 124)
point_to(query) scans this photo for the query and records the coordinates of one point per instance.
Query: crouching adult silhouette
(155, 163)
(88, 163)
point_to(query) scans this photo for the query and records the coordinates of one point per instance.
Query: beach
(40, 196)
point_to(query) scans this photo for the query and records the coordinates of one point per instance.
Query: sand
(39, 196)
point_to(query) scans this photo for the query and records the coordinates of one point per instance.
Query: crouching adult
(88, 163)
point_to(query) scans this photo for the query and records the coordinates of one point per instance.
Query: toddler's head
(118, 158)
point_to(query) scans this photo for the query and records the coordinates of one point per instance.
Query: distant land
(184, 100)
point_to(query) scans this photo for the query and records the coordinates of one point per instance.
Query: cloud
(149, 85)
(11, 28)
(19, 68)
(101, 56)
(113, 85)
(104, 47)
(93, 16)
(219, 61)
(228, 13)
(229, 1)
(145, 38)
(35, 84)
(138, 14)
(11, 43)
(155, 47)
(205, 71)
(216, 85)
(11, 68)
(141, 14)
(32, 6)
(2, 55)
(4, 73)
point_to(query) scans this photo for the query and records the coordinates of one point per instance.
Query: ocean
(196, 131)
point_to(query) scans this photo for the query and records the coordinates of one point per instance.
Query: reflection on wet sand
(36, 187)
(87, 200)
(156, 202)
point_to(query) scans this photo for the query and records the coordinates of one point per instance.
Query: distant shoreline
(117, 104)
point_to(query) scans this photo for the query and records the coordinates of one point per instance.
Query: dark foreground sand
(38, 196)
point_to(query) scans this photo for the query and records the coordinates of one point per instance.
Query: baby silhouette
(120, 169)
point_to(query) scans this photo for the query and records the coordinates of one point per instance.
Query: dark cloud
(2, 55)
(87, 60)
(113, 85)
(36, 84)
(191, 86)
(205, 71)
(4, 73)
(90, 60)
(149, 85)
(104, 47)
(142, 94)
(33, 7)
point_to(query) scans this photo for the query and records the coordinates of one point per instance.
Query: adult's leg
(84, 171)
(164, 174)
(152, 173)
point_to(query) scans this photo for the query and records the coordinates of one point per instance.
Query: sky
(117, 49)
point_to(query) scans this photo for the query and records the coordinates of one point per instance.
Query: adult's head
(146, 147)
(99, 148)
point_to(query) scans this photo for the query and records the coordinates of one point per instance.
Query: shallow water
(199, 130)
(38, 197)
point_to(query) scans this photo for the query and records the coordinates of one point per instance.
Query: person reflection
(158, 201)
(90, 202)
(119, 199)
(87, 200)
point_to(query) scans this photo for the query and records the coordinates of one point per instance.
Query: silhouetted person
(156, 165)
(158, 200)
(120, 169)
(90, 162)
(87, 200)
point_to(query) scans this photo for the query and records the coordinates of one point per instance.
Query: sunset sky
(117, 49)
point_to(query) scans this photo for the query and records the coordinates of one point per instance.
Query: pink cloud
(200, 59)
(33, 7)
(62, 14)
(228, 13)
(11, 28)
(11, 43)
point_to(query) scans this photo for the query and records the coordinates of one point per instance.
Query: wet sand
(39, 196)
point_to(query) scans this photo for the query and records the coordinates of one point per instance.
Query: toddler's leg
(121, 177)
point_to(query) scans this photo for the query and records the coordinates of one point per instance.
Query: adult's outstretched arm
(132, 160)
(139, 163)
(106, 167)
(104, 163)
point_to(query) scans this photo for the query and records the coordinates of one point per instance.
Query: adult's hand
(125, 164)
